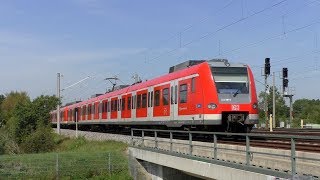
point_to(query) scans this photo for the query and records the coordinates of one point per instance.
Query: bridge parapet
(268, 162)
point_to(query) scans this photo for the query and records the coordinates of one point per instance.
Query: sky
(90, 40)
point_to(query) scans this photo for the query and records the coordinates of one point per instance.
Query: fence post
(132, 137)
(57, 166)
(171, 141)
(109, 164)
(142, 138)
(215, 146)
(247, 150)
(155, 139)
(293, 156)
(190, 143)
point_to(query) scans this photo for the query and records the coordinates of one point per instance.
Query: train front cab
(236, 96)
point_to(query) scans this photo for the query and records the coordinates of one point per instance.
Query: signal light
(285, 83)
(267, 66)
(285, 72)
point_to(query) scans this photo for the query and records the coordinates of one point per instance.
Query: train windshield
(231, 80)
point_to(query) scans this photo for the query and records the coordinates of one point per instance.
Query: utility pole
(58, 106)
(274, 100)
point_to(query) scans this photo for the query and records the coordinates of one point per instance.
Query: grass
(72, 159)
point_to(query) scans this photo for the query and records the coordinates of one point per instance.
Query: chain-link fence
(104, 165)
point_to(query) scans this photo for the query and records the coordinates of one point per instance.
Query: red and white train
(202, 94)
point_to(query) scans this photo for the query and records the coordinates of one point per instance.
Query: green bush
(42, 140)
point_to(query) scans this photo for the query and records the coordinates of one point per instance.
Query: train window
(109, 106)
(148, 99)
(172, 95)
(139, 101)
(123, 104)
(157, 98)
(105, 106)
(84, 109)
(165, 96)
(183, 93)
(93, 109)
(133, 101)
(144, 100)
(151, 103)
(193, 85)
(176, 94)
(112, 105)
(129, 103)
(100, 107)
(119, 104)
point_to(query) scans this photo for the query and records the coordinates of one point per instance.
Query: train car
(212, 95)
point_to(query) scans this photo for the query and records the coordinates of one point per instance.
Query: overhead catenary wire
(218, 30)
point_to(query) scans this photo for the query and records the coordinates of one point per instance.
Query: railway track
(292, 131)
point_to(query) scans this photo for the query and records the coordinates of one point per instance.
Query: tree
(282, 110)
(308, 110)
(42, 106)
(2, 98)
(10, 102)
(29, 116)
(27, 122)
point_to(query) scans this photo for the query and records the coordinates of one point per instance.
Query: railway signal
(267, 67)
(285, 72)
(285, 80)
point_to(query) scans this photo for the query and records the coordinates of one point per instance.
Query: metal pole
(171, 141)
(270, 124)
(215, 141)
(190, 143)
(58, 106)
(155, 139)
(142, 138)
(109, 164)
(57, 166)
(291, 109)
(293, 157)
(132, 137)
(274, 101)
(266, 99)
(247, 150)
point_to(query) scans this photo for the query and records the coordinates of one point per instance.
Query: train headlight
(212, 106)
(255, 106)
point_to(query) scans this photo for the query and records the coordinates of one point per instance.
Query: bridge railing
(244, 147)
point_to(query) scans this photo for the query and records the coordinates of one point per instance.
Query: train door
(123, 107)
(150, 103)
(109, 108)
(133, 106)
(119, 107)
(100, 109)
(114, 108)
(174, 100)
(129, 102)
(104, 109)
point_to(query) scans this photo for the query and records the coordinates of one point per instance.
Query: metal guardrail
(248, 152)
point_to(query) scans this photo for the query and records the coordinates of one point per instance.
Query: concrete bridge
(169, 158)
